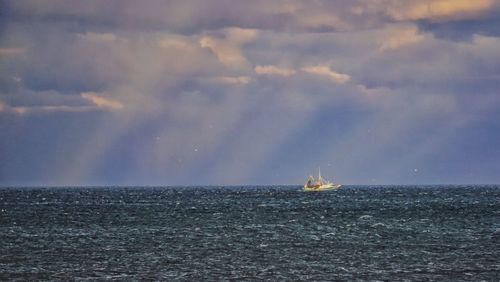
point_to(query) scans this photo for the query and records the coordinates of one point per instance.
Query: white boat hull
(322, 188)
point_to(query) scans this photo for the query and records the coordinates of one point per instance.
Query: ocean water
(388, 233)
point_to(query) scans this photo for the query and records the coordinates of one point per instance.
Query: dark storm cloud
(190, 17)
(464, 30)
(177, 16)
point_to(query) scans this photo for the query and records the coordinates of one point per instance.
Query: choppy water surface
(271, 233)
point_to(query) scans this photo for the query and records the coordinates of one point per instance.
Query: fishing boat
(320, 184)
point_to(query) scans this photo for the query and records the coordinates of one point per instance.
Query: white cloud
(399, 37)
(39, 109)
(372, 92)
(22, 110)
(327, 72)
(240, 35)
(274, 70)
(102, 102)
(227, 54)
(228, 48)
(49, 102)
(92, 36)
(175, 42)
(232, 80)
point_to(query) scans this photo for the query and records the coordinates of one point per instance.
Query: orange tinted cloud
(273, 70)
(102, 102)
(327, 72)
(439, 9)
(11, 51)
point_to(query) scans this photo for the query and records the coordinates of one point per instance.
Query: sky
(220, 92)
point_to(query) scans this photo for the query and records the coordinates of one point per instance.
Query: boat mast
(319, 176)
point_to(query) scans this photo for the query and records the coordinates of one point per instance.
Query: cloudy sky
(249, 92)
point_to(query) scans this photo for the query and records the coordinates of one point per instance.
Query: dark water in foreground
(251, 233)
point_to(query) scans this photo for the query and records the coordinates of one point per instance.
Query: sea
(250, 233)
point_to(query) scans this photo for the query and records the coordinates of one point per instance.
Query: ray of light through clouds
(249, 92)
